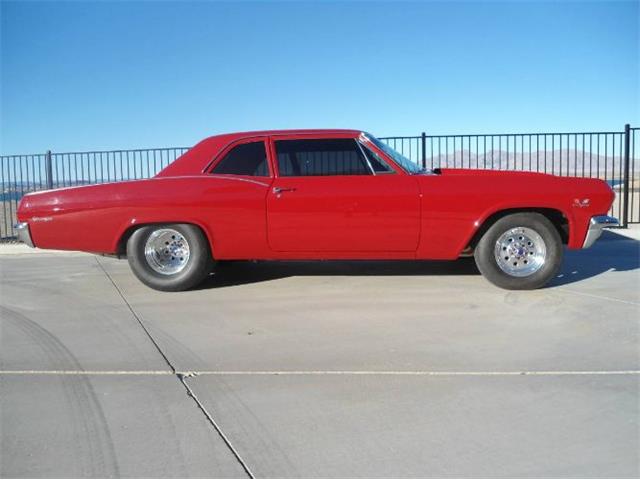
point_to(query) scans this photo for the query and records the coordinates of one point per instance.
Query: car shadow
(612, 252)
(233, 273)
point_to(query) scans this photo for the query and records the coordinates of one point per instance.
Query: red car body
(398, 216)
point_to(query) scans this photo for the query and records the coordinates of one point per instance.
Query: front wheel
(522, 251)
(171, 257)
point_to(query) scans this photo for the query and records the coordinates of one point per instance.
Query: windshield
(406, 164)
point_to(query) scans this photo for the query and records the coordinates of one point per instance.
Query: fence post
(48, 169)
(424, 150)
(625, 194)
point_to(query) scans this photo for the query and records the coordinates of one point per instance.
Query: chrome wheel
(166, 251)
(520, 252)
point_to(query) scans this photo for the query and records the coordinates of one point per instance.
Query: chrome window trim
(368, 139)
(366, 158)
(391, 170)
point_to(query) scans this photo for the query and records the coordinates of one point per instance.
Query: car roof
(198, 157)
(308, 131)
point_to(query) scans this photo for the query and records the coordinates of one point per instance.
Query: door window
(320, 157)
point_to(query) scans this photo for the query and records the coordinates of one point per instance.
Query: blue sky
(101, 75)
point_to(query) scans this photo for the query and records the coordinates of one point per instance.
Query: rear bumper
(596, 225)
(24, 234)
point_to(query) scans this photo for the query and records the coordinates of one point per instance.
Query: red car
(320, 194)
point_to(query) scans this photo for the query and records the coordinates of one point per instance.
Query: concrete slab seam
(432, 373)
(180, 376)
(601, 297)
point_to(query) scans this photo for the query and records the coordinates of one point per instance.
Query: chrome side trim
(596, 225)
(24, 235)
(225, 177)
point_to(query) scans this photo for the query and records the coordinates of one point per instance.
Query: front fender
(447, 234)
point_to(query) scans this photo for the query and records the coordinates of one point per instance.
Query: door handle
(279, 190)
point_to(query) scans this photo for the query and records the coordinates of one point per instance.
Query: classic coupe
(320, 195)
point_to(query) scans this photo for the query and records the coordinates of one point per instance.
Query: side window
(377, 163)
(339, 156)
(245, 159)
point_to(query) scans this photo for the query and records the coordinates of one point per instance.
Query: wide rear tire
(521, 251)
(169, 257)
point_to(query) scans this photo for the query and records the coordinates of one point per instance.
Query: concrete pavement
(314, 369)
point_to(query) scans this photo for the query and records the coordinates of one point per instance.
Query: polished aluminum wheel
(166, 251)
(520, 252)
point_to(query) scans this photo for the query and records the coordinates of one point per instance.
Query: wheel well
(124, 238)
(556, 217)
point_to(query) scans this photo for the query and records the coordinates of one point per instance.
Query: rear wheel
(170, 257)
(522, 251)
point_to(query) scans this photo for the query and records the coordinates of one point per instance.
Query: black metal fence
(610, 156)
(20, 174)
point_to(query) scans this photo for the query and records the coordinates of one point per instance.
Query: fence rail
(610, 156)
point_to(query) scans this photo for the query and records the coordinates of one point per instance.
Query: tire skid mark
(90, 427)
(54, 291)
(183, 354)
(247, 423)
(180, 353)
(179, 376)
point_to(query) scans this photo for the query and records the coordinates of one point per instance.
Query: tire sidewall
(488, 266)
(197, 268)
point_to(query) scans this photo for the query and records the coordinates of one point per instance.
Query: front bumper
(596, 225)
(24, 235)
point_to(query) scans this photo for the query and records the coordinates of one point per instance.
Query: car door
(326, 197)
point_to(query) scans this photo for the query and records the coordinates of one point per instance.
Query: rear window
(245, 159)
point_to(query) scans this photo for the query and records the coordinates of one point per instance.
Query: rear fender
(119, 243)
